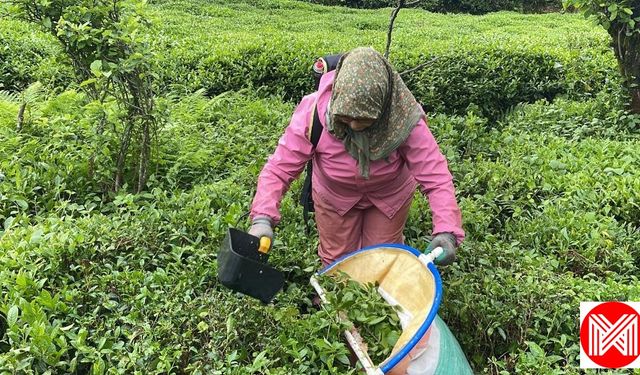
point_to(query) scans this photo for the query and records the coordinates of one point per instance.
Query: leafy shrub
(620, 19)
(134, 288)
(601, 117)
(491, 79)
(521, 303)
(483, 6)
(106, 45)
(269, 47)
(539, 238)
(27, 56)
(492, 74)
(456, 6)
(46, 162)
(537, 244)
(370, 4)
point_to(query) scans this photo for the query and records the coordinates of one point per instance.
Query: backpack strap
(316, 127)
(322, 65)
(306, 199)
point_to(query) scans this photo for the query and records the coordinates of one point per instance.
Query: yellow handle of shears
(265, 245)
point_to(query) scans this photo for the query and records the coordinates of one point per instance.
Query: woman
(374, 150)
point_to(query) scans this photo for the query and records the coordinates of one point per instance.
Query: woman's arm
(429, 168)
(285, 164)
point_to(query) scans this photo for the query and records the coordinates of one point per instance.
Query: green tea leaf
(12, 315)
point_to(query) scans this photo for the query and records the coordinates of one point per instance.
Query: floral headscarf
(367, 87)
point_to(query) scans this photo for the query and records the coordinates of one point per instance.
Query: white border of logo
(585, 308)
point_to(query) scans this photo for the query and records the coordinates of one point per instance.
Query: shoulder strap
(322, 65)
(306, 200)
(316, 128)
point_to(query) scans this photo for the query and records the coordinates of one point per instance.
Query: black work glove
(447, 242)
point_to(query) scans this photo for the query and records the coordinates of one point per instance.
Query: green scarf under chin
(367, 87)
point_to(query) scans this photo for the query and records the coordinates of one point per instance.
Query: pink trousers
(362, 226)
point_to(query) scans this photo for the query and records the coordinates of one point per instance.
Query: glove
(447, 242)
(262, 227)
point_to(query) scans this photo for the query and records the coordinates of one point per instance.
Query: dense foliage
(26, 56)
(111, 60)
(456, 6)
(95, 281)
(480, 62)
(621, 19)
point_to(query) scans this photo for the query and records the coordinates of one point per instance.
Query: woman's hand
(262, 227)
(447, 242)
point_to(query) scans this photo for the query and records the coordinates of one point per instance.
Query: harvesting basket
(407, 279)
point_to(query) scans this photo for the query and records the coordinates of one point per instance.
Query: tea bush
(600, 117)
(129, 284)
(521, 191)
(205, 140)
(42, 166)
(27, 56)
(133, 287)
(550, 216)
(492, 65)
(457, 6)
(489, 66)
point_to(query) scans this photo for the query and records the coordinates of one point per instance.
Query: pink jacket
(336, 179)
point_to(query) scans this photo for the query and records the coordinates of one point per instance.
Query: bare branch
(394, 14)
(418, 67)
(144, 157)
(23, 106)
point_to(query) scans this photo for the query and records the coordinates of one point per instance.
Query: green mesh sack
(442, 354)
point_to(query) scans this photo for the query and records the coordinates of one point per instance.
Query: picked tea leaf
(375, 319)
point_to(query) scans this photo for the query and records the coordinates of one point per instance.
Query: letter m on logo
(622, 334)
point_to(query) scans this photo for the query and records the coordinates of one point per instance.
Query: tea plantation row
(459, 6)
(493, 61)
